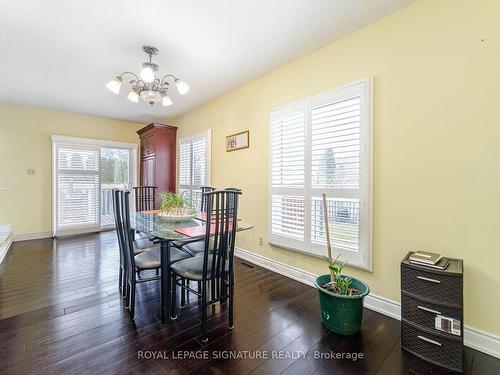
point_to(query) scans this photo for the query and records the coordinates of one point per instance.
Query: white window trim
(62, 140)
(208, 175)
(366, 204)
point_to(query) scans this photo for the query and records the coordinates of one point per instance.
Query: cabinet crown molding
(154, 126)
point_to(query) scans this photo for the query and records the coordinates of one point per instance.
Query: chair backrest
(145, 198)
(204, 190)
(222, 214)
(122, 212)
(118, 225)
(128, 231)
(231, 203)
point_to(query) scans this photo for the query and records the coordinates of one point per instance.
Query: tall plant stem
(328, 242)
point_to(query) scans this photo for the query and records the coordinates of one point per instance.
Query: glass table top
(157, 226)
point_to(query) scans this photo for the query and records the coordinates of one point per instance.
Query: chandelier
(147, 86)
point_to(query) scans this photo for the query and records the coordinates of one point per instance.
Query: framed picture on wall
(238, 141)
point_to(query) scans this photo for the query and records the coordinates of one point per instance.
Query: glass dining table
(164, 232)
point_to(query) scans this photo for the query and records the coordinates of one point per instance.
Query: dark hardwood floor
(60, 312)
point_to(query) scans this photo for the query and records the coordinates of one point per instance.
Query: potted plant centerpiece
(340, 296)
(174, 207)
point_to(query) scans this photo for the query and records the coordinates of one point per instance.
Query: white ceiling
(59, 54)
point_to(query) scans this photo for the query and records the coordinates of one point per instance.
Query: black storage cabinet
(426, 293)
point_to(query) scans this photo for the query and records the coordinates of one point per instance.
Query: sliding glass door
(115, 174)
(85, 171)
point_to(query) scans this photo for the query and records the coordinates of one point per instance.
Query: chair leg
(123, 280)
(221, 287)
(199, 289)
(132, 300)
(231, 297)
(173, 302)
(204, 336)
(183, 294)
(217, 287)
(212, 289)
(224, 283)
(120, 281)
(126, 297)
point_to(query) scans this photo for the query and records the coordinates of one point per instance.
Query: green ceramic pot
(341, 314)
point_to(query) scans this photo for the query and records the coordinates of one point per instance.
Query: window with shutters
(194, 166)
(323, 144)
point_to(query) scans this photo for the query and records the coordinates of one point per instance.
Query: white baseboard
(483, 341)
(32, 236)
(474, 338)
(281, 268)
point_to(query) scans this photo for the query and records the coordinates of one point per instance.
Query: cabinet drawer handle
(429, 310)
(428, 279)
(429, 340)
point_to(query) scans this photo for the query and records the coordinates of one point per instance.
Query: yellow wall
(436, 141)
(25, 143)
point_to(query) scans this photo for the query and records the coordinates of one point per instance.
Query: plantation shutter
(193, 167)
(288, 174)
(323, 145)
(77, 182)
(185, 163)
(336, 169)
(199, 161)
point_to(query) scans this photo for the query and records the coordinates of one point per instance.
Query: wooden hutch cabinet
(158, 153)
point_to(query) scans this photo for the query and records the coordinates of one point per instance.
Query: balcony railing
(107, 203)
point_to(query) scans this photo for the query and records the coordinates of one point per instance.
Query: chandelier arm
(167, 76)
(135, 75)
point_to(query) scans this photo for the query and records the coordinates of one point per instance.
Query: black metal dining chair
(204, 190)
(128, 251)
(231, 203)
(195, 247)
(135, 264)
(215, 267)
(122, 280)
(139, 243)
(145, 198)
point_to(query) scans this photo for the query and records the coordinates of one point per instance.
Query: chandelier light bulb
(166, 101)
(147, 74)
(115, 84)
(182, 87)
(133, 97)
